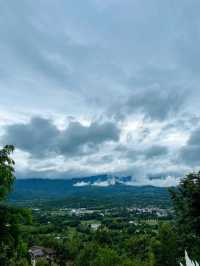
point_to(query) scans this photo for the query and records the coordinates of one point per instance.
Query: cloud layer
(40, 137)
(101, 87)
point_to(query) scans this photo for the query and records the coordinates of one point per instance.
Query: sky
(101, 86)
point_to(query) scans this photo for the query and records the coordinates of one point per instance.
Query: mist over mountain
(102, 181)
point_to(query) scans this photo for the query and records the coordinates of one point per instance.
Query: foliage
(12, 246)
(106, 257)
(186, 202)
(6, 170)
(164, 246)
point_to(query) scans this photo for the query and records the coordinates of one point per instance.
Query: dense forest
(106, 237)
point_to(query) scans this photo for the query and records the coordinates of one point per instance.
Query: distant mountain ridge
(103, 189)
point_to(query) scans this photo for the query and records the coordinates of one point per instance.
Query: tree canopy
(6, 170)
(186, 202)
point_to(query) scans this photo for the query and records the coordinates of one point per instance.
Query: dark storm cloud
(190, 153)
(41, 137)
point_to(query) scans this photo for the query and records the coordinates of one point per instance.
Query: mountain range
(87, 191)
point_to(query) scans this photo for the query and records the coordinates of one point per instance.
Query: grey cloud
(195, 138)
(52, 174)
(154, 103)
(186, 122)
(152, 152)
(41, 137)
(156, 151)
(77, 135)
(38, 137)
(188, 39)
(190, 153)
(154, 74)
(99, 160)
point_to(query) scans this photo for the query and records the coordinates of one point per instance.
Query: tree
(6, 171)
(103, 237)
(164, 246)
(106, 257)
(68, 249)
(186, 202)
(87, 254)
(138, 246)
(12, 247)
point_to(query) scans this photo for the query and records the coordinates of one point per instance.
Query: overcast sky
(101, 86)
